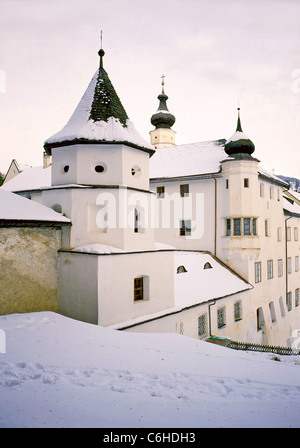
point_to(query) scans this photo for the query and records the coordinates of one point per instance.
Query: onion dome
(162, 118)
(239, 145)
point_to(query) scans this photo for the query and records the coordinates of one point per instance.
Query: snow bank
(58, 372)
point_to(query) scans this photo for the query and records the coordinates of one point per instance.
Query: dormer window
(181, 269)
(207, 265)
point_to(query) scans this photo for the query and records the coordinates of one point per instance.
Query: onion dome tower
(162, 136)
(239, 145)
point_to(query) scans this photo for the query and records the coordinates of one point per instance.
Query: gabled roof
(99, 118)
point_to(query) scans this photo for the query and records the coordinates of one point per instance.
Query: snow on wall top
(15, 207)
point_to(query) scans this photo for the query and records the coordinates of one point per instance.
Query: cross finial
(101, 33)
(163, 82)
(101, 51)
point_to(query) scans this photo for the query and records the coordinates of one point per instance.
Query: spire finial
(101, 51)
(239, 126)
(163, 83)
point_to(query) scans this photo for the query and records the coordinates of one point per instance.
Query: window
(271, 192)
(279, 234)
(185, 227)
(270, 269)
(236, 226)
(202, 325)
(289, 261)
(288, 234)
(280, 268)
(254, 226)
(99, 169)
(260, 319)
(262, 190)
(246, 226)
(227, 184)
(297, 297)
(257, 271)
(272, 312)
(139, 219)
(228, 227)
(160, 192)
(296, 233)
(237, 310)
(207, 265)
(282, 310)
(184, 190)
(221, 317)
(66, 168)
(296, 263)
(181, 269)
(267, 230)
(246, 183)
(278, 194)
(141, 288)
(289, 301)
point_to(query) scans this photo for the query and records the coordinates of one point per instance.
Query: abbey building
(197, 239)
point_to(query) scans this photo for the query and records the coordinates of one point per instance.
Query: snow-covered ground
(58, 372)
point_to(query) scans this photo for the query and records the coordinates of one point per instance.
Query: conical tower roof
(99, 118)
(239, 145)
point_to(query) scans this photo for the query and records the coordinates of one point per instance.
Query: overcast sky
(213, 53)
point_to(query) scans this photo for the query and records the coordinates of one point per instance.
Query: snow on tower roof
(17, 208)
(99, 118)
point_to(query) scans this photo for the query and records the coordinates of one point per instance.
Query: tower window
(141, 288)
(160, 192)
(185, 227)
(184, 190)
(237, 226)
(99, 168)
(246, 183)
(66, 168)
(181, 269)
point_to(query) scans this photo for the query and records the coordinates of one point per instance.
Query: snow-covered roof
(199, 285)
(194, 286)
(29, 179)
(290, 207)
(187, 160)
(16, 208)
(194, 159)
(82, 127)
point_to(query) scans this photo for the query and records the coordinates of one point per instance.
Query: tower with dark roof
(162, 136)
(239, 145)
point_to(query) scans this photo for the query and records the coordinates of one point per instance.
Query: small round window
(66, 168)
(136, 171)
(99, 169)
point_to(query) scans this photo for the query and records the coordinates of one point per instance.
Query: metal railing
(263, 348)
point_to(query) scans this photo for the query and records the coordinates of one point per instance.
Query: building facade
(197, 239)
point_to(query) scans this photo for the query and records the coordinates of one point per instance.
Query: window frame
(184, 190)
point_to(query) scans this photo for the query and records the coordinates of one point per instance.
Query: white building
(191, 238)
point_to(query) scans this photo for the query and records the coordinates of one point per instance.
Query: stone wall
(28, 269)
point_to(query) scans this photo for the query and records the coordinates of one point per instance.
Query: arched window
(260, 319)
(207, 265)
(181, 269)
(139, 219)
